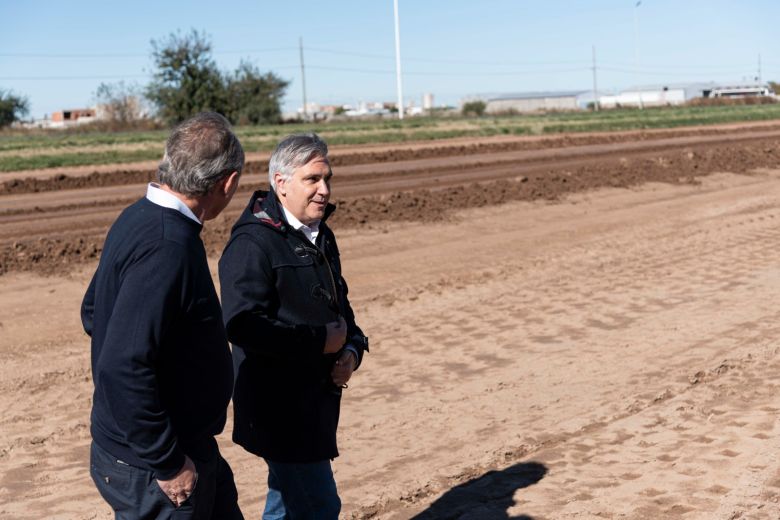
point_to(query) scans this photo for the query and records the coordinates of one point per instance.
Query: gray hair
(200, 152)
(293, 152)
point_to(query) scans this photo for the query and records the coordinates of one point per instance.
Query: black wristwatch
(359, 341)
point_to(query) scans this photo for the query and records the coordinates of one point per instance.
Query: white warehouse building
(648, 96)
(533, 101)
(677, 94)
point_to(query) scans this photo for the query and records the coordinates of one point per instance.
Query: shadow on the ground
(487, 497)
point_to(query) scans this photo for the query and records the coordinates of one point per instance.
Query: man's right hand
(337, 336)
(179, 488)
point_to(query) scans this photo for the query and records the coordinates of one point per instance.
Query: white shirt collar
(158, 196)
(310, 231)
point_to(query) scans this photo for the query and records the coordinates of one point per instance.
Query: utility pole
(759, 70)
(303, 80)
(398, 62)
(595, 87)
(636, 49)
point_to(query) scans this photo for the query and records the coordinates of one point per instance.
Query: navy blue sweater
(160, 359)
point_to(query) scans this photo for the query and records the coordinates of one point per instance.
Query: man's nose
(323, 188)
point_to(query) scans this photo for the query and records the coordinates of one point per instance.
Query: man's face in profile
(307, 192)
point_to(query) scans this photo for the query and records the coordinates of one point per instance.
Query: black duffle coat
(278, 292)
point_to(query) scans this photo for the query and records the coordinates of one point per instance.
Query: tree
(187, 80)
(120, 103)
(12, 107)
(474, 107)
(254, 97)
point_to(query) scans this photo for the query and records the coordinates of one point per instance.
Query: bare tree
(120, 103)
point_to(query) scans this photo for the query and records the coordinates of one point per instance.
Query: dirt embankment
(413, 196)
(122, 175)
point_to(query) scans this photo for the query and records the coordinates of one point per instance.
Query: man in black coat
(295, 340)
(161, 362)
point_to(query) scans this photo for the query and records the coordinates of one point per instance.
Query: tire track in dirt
(568, 312)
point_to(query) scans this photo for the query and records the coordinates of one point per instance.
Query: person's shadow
(487, 497)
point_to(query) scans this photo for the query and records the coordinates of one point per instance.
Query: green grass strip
(263, 138)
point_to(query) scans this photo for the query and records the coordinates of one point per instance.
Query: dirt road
(613, 353)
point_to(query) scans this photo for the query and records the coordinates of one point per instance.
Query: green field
(32, 150)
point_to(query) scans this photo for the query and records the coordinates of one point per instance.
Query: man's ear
(230, 183)
(279, 181)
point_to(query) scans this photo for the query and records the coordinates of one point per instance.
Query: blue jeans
(301, 492)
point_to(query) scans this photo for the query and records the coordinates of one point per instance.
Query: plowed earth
(50, 224)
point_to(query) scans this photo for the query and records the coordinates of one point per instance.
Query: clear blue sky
(56, 53)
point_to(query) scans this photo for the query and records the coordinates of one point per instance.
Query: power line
(615, 66)
(408, 73)
(69, 56)
(660, 73)
(439, 60)
(307, 49)
(303, 79)
(645, 66)
(507, 73)
(595, 87)
(115, 76)
(449, 74)
(66, 78)
(128, 55)
(621, 70)
(347, 69)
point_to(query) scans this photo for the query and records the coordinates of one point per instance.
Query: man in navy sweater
(161, 363)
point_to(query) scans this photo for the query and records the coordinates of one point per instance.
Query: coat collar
(266, 208)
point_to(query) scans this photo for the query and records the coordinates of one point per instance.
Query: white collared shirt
(159, 196)
(311, 231)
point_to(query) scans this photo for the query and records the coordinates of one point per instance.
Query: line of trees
(186, 81)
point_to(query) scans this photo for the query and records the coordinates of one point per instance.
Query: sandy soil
(602, 353)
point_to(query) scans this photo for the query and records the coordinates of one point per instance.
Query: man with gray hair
(161, 362)
(295, 340)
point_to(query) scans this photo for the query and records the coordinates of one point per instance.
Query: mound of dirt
(50, 255)
(57, 255)
(402, 152)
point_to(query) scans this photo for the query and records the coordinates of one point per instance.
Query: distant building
(739, 91)
(427, 101)
(318, 112)
(647, 96)
(533, 101)
(677, 94)
(72, 117)
(362, 109)
(367, 109)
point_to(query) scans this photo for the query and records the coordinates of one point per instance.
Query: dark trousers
(133, 492)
